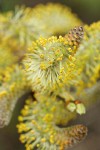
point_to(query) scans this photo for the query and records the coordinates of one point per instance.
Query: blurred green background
(88, 11)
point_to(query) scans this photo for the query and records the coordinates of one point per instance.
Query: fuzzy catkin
(12, 87)
(38, 125)
(50, 63)
(89, 57)
(27, 24)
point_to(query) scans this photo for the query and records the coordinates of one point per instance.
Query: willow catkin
(13, 86)
(38, 125)
(89, 57)
(50, 64)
